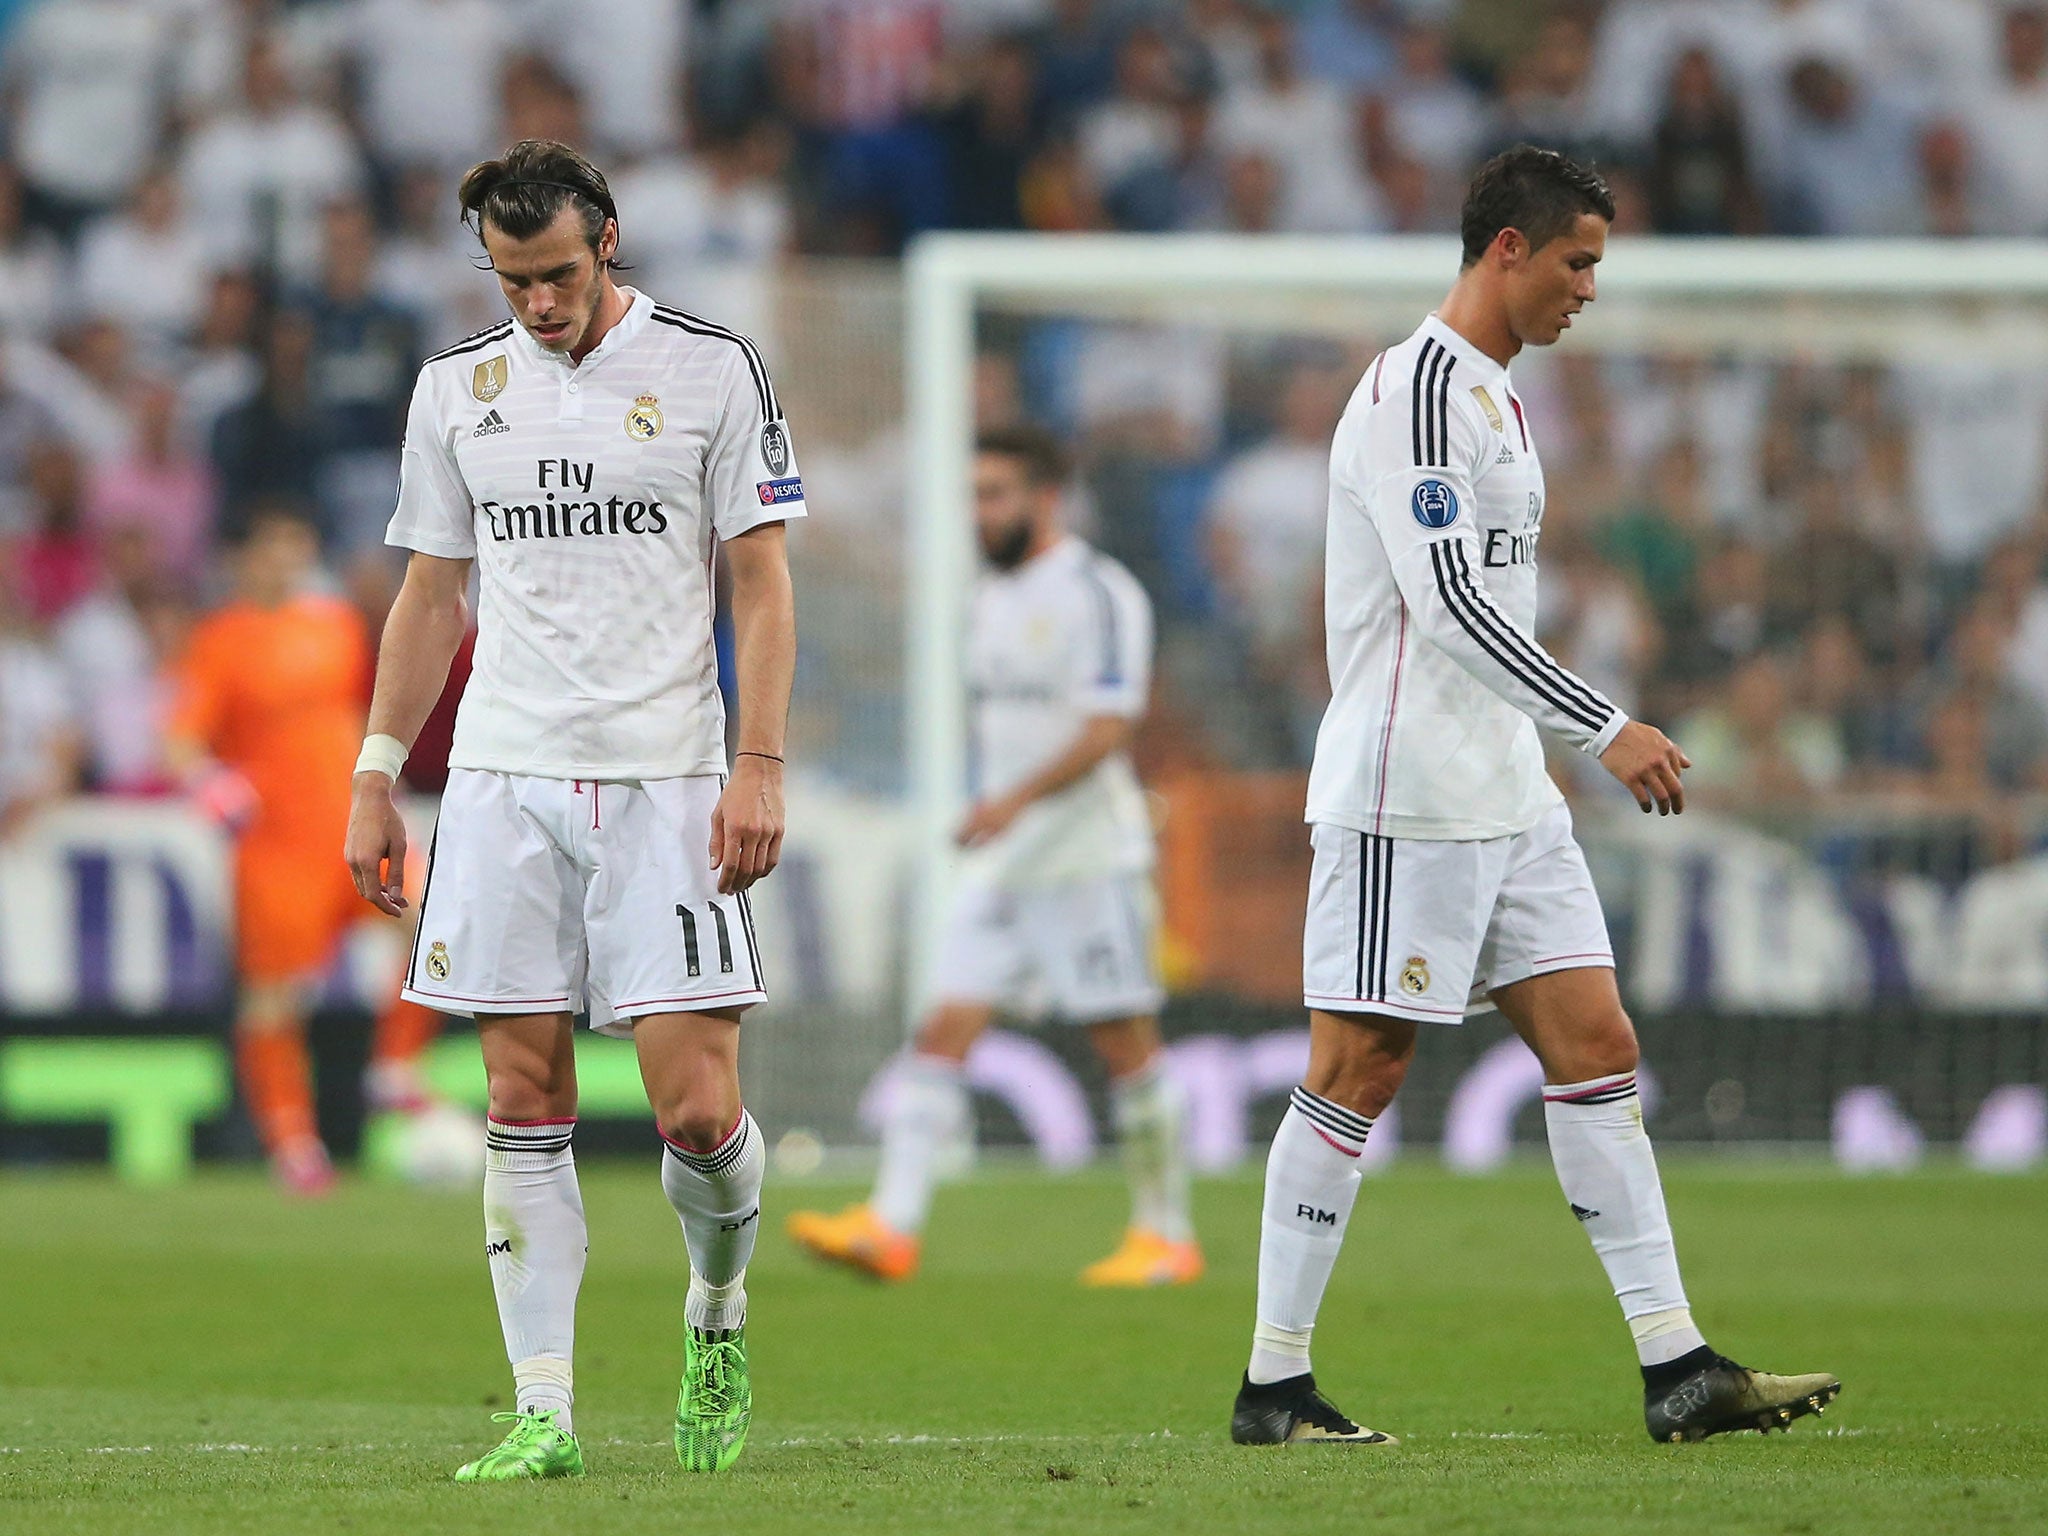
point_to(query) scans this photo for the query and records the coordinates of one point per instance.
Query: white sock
(1312, 1178)
(1609, 1175)
(536, 1240)
(928, 1111)
(718, 1196)
(1150, 1111)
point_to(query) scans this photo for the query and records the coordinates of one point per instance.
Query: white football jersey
(1437, 682)
(1065, 637)
(589, 496)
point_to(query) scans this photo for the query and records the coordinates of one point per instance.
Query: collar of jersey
(638, 308)
(1458, 347)
(1067, 547)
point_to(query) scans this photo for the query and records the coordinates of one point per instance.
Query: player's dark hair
(526, 189)
(1537, 191)
(1044, 461)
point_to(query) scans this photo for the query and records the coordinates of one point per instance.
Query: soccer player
(268, 689)
(590, 456)
(1056, 890)
(1445, 869)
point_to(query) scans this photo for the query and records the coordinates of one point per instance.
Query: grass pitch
(210, 1359)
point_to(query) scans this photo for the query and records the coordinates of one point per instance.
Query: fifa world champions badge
(487, 382)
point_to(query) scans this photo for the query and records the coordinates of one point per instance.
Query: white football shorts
(1425, 930)
(547, 895)
(1084, 951)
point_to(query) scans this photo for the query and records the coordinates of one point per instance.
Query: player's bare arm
(746, 828)
(1648, 764)
(421, 636)
(1101, 736)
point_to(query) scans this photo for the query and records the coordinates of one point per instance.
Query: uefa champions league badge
(1435, 504)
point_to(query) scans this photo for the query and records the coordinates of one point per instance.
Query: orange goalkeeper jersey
(278, 694)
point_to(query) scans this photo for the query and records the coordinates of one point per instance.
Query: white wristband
(382, 754)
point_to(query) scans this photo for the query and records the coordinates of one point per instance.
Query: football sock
(404, 1030)
(717, 1193)
(1609, 1175)
(1312, 1177)
(277, 1083)
(928, 1109)
(1150, 1109)
(536, 1239)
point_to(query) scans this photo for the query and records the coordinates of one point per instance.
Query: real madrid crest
(643, 421)
(488, 381)
(1415, 976)
(437, 960)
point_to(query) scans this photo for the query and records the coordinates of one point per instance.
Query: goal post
(1765, 297)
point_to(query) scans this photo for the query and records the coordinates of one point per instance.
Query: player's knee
(531, 1091)
(949, 1034)
(699, 1123)
(1126, 1046)
(1365, 1072)
(1611, 1045)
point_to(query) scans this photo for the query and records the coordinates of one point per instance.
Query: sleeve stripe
(1415, 400)
(474, 341)
(1574, 687)
(771, 408)
(1443, 412)
(1112, 653)
(1471, 618)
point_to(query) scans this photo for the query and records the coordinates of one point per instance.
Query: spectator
(90, 77)
(147, 267)
(1953, 203)
(1660, 538)
(1837, 682)
(1832, 567)
(272, 447)
(1543, 92)
(1847, 161)
(540, 102)
(56, 562)
(1351, 43)
(31, 265)
(1307, 127)
(160, 489)
(626, 61)
(113, 647)
(1077, 61)
(40, 748)
(1753, 746)
(222, 369)
(990, 135)
(1136, 131)
(2009, 726)
(257, 178)
(24, 422)
(709, 231)
(1266, 521)
(366, 351)
(426, 76)
(1698, 175)
(427, 259)
(2008, 120)
(1429, 115)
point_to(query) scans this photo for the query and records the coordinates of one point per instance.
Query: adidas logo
(1505, 456)
(490, 426)
(1583, 1214)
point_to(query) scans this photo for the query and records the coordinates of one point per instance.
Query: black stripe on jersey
(1379, 990)
(474, 341)
(426, 889)
(1416, 396)
(1497, 637)
(1441, 418)
(1575, 689)
(1375, 916)
(747, 933)
(1112, 654)
(771, 408)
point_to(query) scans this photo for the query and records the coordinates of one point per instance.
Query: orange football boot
(859, 1239)
(1145, 1258)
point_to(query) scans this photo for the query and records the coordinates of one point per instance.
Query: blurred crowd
(227, 238)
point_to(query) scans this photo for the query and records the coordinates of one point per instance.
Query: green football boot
(535, 1447)
(717, 1399)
